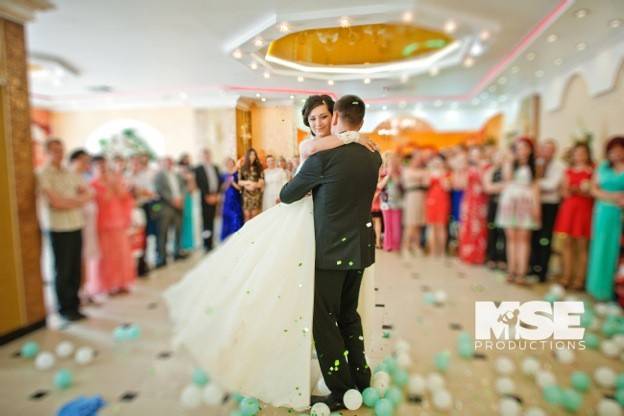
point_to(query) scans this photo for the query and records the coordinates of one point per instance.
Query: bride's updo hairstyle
(314, 101)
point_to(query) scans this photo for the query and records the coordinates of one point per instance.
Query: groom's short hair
(351, 109)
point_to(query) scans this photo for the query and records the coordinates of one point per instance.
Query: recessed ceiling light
(367, 81)
(475, 101)
(484, 35)
(263, 100)
(253, 65)
(581, 46)
(384, 107)
(539, 73)
(284, 27)
(468, 62)
(581, 13)
(531, 56)
(476, 49)
(438, 103)
(292, 97)
(558, 61)
(303, 100)
(237, 54)
(258, 95)
(615, 23)
(267, 75)
(450, 26)
(258, 42)
(515, 69)
(502, 81)
(300, 78)
(404, 78)
(330, 82)
(433, 71)
(552, 38)
(345, 22)
(408, 17)
(367, 105)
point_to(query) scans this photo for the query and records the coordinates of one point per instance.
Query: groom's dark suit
(342, 181)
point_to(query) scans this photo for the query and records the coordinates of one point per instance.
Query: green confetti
(344, 239)
(339, 262)
(350, 263)
(337, 363)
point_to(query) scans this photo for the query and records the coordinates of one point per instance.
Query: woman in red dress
(473, 223)
(437, 205)
(574, 217)
(376, 208)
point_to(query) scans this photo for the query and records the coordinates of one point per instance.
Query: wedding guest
(376, 209)
(550, 172)
(208, 179)
(473, 223)
(496, 256)
(458, 164)
(232, 216)
(251, 179)
(604, 248)
(189, 236)
(414, 179)
(437, 205)
(65, 193)
(574, 217)
(391, 202)
(519, 208)
(115, 272)
(282, 163)
(170, 187)
(274, 178)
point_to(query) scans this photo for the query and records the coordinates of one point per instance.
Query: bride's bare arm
(310, 147)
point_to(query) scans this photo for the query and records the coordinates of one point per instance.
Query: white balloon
(605, 377)
(435, 382)
(508, 407)
(381, 381)
(321, 387)
(84, 355)
(404, 360)
(569, 298)
(608, 407)
(613, 309)
(557, 290)
(595, 325)
(352, 399)
(610, 348)
(619, 340)
(64, 349)
(534, 411)
(442, 400)
(44, 361)
(440, 296)
(416, 385)
(564, 356)
(504, 366)
(530, 366)
(212, 394)
(191, 397)
(320, 409)
(402, 346)
(505, 385)
(545, 378)
(601, 309)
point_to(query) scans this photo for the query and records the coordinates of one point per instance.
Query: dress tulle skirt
(245, 311)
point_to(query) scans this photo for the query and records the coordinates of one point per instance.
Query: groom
(342, 181)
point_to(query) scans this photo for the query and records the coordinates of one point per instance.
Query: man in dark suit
(209, 182)
(170, 187)
(342, 181)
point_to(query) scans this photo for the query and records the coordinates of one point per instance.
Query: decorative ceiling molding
(22, 11)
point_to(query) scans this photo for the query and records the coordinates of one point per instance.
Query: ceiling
(140, 52)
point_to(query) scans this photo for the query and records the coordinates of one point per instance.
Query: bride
(245, 311)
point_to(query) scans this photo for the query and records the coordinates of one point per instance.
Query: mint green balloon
(391, 364)
(29, 349)
(571, 400)
(249, 406)
(551, 297)
(400, 377)
(587, 318)
(370, 396)
(552, 394)
(591, 341)
(610, 328)
(464, 337)
(395, 395)
(429, 298)
(236, 412)
(200, 378)
(384, 407)
(619, 382)
(442, 361)
(580, 381)
(63, 379)
(382, 367)
(619, 396)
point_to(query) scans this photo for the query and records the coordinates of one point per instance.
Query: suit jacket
(201, 177)
(343, 181)
(162, 188)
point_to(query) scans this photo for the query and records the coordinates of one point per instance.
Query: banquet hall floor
(151, 376)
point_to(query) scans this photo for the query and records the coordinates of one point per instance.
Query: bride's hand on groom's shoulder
(368, 143)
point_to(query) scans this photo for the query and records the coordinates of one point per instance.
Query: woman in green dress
(604, 250)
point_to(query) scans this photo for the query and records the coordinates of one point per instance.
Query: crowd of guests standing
(502, 208)
(99, 213)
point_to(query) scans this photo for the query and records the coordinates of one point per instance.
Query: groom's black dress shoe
(331, 401)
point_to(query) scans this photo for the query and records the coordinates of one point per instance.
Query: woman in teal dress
(604, 250)
(187, 238)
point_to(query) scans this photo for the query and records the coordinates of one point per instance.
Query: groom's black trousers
(337, 330)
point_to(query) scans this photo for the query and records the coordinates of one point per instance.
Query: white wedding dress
(245, 311)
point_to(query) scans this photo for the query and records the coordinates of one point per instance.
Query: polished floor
(145, 377)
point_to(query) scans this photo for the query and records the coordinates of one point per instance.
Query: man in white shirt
(170, 187)
(550, 175)
(65, 192)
